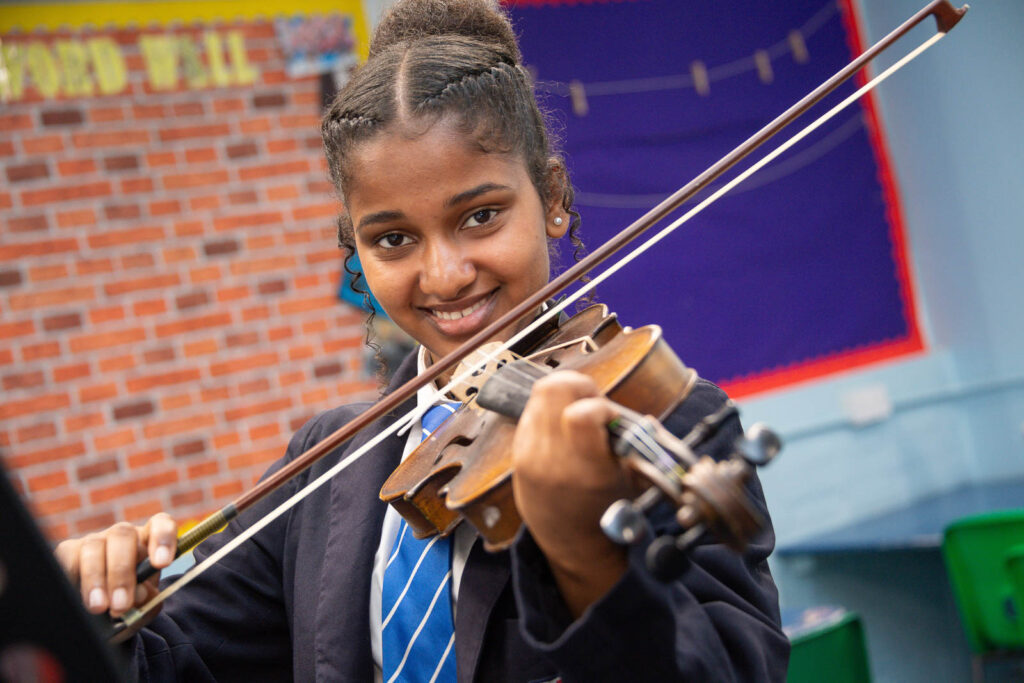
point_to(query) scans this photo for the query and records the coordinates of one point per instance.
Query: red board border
(910, 344)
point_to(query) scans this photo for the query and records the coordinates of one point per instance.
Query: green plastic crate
(835, 653)
(1015, 570)
(980, 554)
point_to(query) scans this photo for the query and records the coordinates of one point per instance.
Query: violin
(705, 495)
(463, 470)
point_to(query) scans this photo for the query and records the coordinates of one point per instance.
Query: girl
(452, 197)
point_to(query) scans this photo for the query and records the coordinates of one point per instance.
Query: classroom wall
(952, 119)
(953, 126)
(168, 267)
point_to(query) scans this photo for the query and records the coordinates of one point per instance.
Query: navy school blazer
(293, 602)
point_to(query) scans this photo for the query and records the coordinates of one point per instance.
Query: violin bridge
(477, 367)
(587, 344)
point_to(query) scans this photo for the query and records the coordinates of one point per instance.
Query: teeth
(456, 315)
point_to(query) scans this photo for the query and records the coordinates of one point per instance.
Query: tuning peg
(668, 556)
(759, 445)
(624, 523)
(665, 559)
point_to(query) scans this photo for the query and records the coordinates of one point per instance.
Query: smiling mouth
(458, 315)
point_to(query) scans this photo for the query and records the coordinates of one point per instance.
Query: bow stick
(946, 17)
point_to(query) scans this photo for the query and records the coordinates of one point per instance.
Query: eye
(393, 240)
(480, 217)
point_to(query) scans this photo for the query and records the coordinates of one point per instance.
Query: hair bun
(410, 20)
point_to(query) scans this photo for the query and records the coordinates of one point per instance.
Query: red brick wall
(167, 278)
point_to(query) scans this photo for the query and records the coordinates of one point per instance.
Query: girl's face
(450, 237)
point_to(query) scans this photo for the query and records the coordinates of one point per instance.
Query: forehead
(442, 159)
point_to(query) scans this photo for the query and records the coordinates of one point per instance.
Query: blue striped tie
(417, 634)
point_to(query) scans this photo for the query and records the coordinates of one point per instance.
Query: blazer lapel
(355, 517)
(483, 580)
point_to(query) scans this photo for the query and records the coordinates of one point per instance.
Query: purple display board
(800, 272)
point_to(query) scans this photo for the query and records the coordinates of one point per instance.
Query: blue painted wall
(954, 125)
(953, 120)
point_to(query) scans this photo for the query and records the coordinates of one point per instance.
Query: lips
(460, 319)
(456, 315)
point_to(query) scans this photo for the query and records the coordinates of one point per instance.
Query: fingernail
(96, 598)
(119, 599)
(163, 555)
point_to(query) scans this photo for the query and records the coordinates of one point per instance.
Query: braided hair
(451, 59)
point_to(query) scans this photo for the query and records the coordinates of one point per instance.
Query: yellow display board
(66, 50)
(28, 17)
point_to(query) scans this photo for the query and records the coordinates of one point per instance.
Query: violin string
(647, 445)
(702, 429)
(481, 359)
(650, 452)
(515, 368)
(640, 439)
(586, 340)
(412, 416)
(635, 434)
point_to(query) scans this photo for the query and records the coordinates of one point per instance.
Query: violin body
(463, 470)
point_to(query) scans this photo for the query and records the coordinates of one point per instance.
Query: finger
(586, 421)
(564, 387)
(67, 556)
(161, 538)
(145, 591)
(92, 567)
(585, 425)
(549, 397)
(122, 555)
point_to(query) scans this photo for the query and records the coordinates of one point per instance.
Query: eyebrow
(379, 217)
(474, 192)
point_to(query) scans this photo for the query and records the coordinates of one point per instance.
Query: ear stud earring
(558, 220)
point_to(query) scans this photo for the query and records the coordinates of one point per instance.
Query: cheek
(366, 266)
(385, 282)
(535, 260)
(520, 259)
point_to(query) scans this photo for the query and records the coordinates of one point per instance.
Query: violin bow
(946, 17)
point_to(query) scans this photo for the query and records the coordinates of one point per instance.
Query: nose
(447, 269)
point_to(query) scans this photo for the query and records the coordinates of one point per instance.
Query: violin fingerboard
(507, 391)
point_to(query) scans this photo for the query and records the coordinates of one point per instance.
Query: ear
(556, 221)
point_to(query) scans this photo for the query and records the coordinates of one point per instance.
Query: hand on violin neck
(565, 476)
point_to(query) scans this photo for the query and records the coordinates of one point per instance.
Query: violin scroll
(709, 495)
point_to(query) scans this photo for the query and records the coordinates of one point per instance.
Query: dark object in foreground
(45, 633)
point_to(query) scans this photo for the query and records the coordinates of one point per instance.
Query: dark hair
(430, 59)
